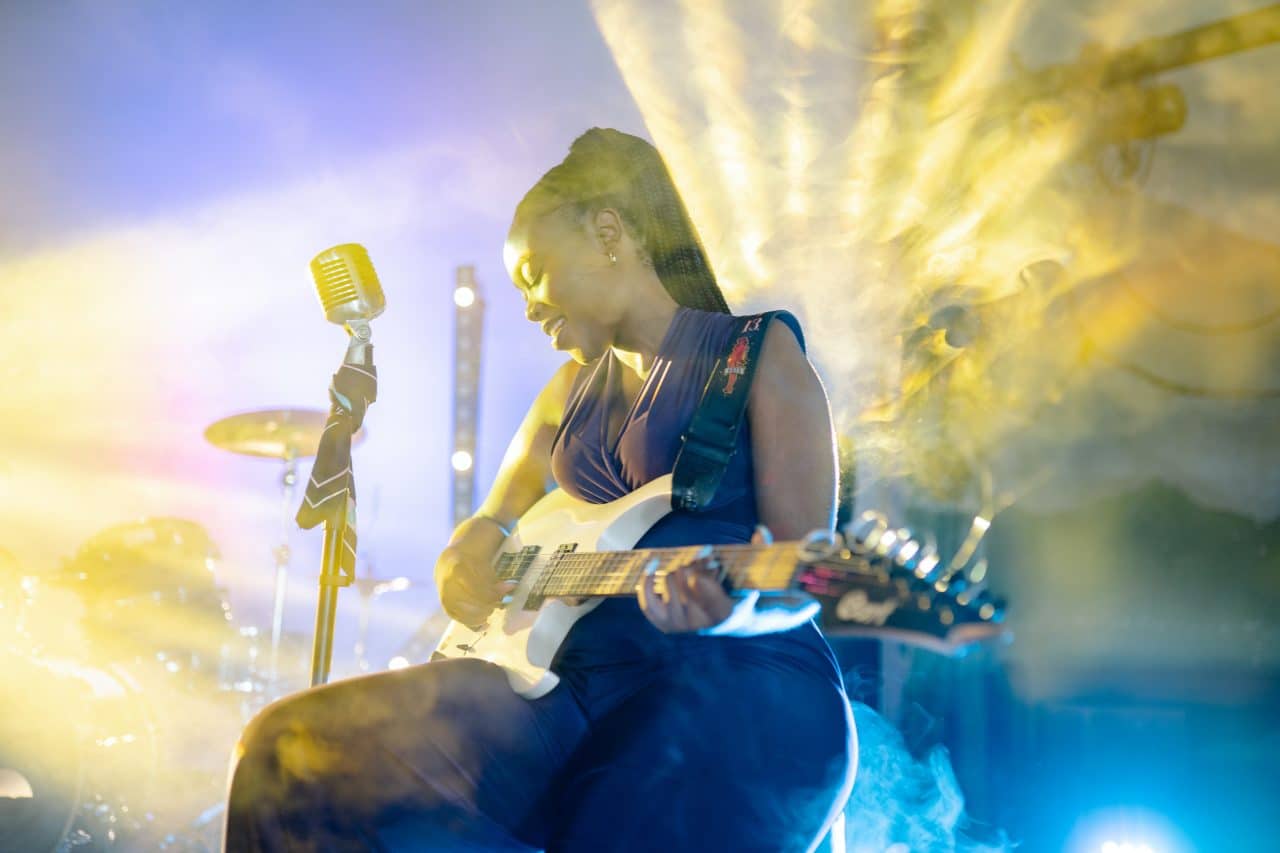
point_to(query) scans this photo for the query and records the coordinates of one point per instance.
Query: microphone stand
(331, 580)
(331, 576)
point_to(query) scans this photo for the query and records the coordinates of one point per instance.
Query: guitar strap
(709, 442)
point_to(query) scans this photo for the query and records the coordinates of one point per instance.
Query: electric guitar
(564, 550)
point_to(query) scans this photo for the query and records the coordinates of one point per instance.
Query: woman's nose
(533, 310)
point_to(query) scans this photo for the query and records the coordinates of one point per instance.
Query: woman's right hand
(469, 589)
(468, 586)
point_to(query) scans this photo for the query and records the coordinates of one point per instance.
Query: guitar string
(619, 572)
(577, 571)
(600, 569)
(589, 572)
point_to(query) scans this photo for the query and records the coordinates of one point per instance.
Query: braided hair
(608, 168)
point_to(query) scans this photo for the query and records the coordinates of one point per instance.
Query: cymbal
(272, 433)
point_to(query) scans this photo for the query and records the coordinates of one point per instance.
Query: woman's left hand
(691, 598)
(686, 599)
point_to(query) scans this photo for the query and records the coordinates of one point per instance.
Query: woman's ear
(608, 229)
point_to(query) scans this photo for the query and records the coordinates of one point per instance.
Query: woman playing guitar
(685, 718)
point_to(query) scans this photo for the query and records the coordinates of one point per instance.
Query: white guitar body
(523, 642)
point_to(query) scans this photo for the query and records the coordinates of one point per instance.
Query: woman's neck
(644, 325)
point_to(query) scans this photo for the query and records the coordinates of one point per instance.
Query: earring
(613, 259)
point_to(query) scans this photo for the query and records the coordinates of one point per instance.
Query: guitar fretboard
(610, 573)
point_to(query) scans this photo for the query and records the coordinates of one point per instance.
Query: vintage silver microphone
(351, 296)
(349, 292)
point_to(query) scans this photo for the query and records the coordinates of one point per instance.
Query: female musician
(686, 718)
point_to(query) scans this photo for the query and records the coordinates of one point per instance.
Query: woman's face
(557, 264)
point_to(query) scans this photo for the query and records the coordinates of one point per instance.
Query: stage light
(1125, 847)
(398, 662)
(14, 786)
(468, 327)
(1126, 830)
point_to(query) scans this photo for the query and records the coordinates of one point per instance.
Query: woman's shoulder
(697, 338)
(734, 325)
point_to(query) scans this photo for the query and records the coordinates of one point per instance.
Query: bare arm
(792, 441)
(468, 587)
(526, 466)
(794, 456)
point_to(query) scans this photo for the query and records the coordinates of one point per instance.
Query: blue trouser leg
(440, 757)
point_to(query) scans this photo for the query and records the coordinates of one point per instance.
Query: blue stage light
(1127, 830)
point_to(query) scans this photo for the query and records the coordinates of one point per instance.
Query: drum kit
(127, 677)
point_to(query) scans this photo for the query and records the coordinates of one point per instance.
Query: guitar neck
(904, 590)
(571, 574)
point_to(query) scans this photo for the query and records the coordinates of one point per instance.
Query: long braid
(608, 168)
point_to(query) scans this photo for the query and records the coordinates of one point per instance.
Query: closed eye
(529, 275)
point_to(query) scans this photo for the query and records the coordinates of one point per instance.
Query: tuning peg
(917, 562)
(951, 587)
(926, 568)
(820, 543)
(904, 550)
(885, 542)
(892, 541)
(990, 608)
(864, 534)
(967, 595)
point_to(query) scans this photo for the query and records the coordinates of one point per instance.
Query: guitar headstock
(878, 580)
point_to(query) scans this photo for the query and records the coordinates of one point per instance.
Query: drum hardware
(370, 589)
(91, 761)
(86, 745)
(125, 683)
(148, 598)
(287, 435)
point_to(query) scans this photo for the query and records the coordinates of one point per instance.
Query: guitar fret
(605, 573)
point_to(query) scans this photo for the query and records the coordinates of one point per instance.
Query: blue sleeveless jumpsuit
(652, 742)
